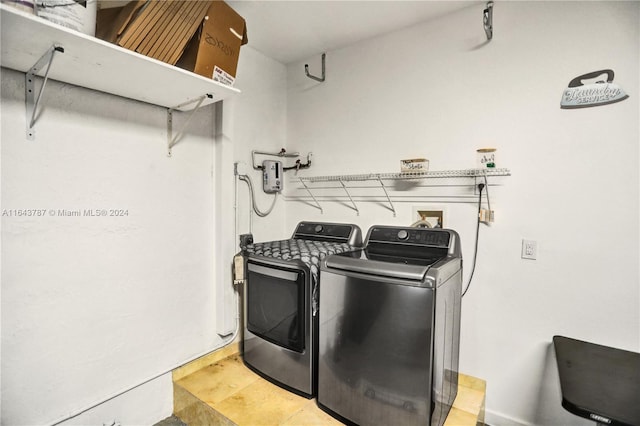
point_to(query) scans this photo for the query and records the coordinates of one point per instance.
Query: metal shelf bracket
(349, 195)
(487, 20)
(310, 193)
(393, 209)
(313, 77)
(31, 100)
(172, 140)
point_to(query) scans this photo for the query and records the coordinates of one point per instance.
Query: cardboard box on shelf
(111, 21)
(200, 36)
(214, 50)
(179, 31)
(145, 25)
(158, 29)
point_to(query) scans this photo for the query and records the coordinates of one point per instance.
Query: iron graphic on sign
(580, 95)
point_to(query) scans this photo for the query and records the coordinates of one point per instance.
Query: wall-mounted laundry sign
(600, 92)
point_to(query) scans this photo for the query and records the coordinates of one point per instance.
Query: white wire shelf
(380, 177)
(466, 173)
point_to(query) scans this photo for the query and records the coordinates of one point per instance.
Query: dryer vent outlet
(425, 217)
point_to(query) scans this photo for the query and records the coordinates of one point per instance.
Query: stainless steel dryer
(281, 302)
(390, 327)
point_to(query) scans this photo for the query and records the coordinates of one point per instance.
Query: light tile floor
(228, 393)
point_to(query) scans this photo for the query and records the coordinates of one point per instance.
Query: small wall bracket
(487, 20)
(31, 101)
(320, 79)
(172, 140)
(282, 154)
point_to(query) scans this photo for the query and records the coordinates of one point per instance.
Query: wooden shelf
(96, 64)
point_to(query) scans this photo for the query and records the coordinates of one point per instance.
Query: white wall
(259, 123)
(437, 90)
(254, 120)
(93, 305)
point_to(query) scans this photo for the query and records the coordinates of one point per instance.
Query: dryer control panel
(323, 231)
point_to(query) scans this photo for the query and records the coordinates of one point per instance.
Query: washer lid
(393, 267)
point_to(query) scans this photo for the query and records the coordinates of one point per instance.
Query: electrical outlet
(529, 249)
(245, 240)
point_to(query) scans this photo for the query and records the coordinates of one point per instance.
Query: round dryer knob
(318, 228)
(403, 235)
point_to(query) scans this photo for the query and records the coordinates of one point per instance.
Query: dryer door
(276, 304)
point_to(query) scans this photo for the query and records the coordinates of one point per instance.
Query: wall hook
(487, 19)
(320, 79)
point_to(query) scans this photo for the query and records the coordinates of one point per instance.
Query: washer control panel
(410, 236)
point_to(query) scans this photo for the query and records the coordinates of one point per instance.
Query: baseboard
(493, 418)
